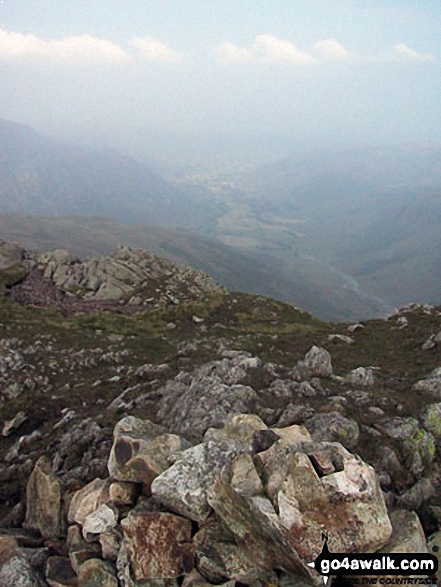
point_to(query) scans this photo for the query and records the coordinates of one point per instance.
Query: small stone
(360, 377)
(341, 338)
(12, 425)
(317, 363)
(101, 520)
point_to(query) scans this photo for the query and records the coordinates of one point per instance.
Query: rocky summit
(158, 430)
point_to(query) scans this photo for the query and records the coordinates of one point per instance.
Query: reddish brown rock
(158, 544)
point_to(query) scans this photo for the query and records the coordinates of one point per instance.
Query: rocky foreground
(205, 441)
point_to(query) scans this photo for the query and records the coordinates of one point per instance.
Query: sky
(316, 70)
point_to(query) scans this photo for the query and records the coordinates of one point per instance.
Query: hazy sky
(345, 70)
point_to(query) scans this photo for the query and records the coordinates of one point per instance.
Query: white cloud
(264, 48)
(154, 50)
(274, 49)
(331, 49)
(76, 49)
(402, 50)
(230, 53)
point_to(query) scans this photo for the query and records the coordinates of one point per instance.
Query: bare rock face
(43, 501)
(158, 545)
(123, 274)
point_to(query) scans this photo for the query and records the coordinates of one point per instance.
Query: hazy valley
(344, 233)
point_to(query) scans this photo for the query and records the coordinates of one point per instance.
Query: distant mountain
(344, 233)
(372, 213)
(43, 176)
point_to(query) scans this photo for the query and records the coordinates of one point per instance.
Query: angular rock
(158, 545)
(407, 534)
(341, 338)
(43, 501)
(141, 451)
(431, 384)
(245, 479)
(97, 573)
(15, 570)
(304, 501)
(221, 555)
(295, 414)
(101, 520)
(260, 544)
(87, 500)
(241, 429)
(317, 363)
(407, 538)
(111, 543)
(183, 487)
